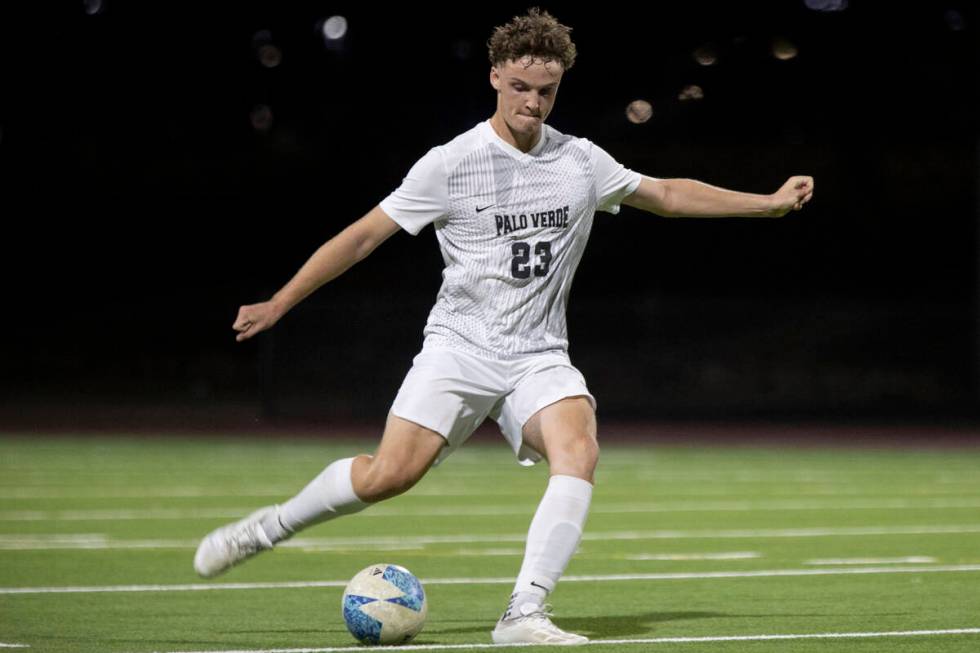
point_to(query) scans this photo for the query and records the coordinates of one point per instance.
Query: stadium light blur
(639, 111)
(705, 55)
(267, 52)
(691, 92)
(332, 31)
(261, 118)
(783, 49)
(93, 7)
(270, 56)
(334, 28)
(826, 5)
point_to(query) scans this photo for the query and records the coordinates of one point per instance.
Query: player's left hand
(796, 192)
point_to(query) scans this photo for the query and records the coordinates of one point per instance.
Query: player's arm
(332, 259)
(687, 198)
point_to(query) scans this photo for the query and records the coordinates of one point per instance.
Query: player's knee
(576, 457)
(588, 453)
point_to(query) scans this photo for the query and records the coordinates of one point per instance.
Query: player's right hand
(796, 192)
(255, 318)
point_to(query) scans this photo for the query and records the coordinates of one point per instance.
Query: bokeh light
(705, 55)
(334, 28)
(639, 111)
(691, 92)
(826, 5)
(784, 49)
(93, 7)
(261, 118)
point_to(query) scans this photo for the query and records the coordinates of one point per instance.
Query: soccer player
(512, 202)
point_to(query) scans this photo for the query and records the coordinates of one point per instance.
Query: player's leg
(565, 434)
(549, 414)
(346, 486)
(444, 397)
(406, 453)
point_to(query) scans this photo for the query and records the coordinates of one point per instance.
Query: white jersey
(512, 227)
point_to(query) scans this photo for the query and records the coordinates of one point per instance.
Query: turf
(100, 512)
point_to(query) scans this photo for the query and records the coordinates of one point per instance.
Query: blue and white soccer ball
(384, 604)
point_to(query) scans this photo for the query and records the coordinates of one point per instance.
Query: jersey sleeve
(613, 181)
(423, 196)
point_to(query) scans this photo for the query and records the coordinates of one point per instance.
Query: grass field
(694, 549)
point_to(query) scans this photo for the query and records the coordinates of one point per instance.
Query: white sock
(329, 495)
(552, 539)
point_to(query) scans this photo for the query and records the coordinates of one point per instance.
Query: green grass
(654, 508)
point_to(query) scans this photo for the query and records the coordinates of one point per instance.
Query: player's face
(526, 90)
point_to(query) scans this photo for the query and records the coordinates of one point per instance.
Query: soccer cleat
(225, 547)
(533, 626)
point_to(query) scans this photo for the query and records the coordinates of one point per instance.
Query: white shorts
(451, 392)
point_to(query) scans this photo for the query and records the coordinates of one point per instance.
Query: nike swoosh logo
(541, 586)
(479, 210)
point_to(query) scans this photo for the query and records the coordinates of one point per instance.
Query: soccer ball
(384, 604)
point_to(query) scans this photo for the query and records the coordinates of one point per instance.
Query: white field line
(792, 505)
(326, 543)
(391, 543)
(123, 514)
(769, 573)
(734, 555)
(835, 489)
(872, 561)
(621, 642)
(5, 645)
(501, 510)
(514, 551)
(174, 492)
(169, 492)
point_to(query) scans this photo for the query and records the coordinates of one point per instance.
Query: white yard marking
(872, 561)
(103, 541)
(5, 645)
(96, 541)
(734, 555)
(771, 573)
(124, 514)
(622, 642)
(87, 492)
(515, 551)
(355, 548)
(387, 512)
(776, 505)
(832, 488)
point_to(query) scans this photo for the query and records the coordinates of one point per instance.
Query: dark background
(144, 201)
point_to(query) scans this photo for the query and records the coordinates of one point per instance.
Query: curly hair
(538, 34)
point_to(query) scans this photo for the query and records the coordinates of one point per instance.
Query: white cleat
(225, 547)
(533, 626)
